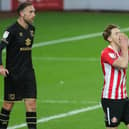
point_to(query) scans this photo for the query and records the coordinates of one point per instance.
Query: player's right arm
(3, 44)
(3, 71)
(122, 61)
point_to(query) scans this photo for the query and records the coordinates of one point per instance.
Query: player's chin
(30, 22)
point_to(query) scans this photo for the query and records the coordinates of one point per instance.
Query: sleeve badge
(112, 55)
(5, 35)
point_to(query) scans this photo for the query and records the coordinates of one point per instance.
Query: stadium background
(66, 57)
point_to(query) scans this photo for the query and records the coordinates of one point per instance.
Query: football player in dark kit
(19, 76)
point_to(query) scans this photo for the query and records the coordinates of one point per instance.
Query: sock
(4, 118)
(31, 120)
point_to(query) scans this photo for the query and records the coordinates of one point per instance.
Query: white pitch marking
(74, 38)
(67, 102)
(91, 59)
(50, 101)
(62, 115)
(63, 40)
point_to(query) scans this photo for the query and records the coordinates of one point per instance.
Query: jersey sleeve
(7, 37)
(109, 57)
(2, 46)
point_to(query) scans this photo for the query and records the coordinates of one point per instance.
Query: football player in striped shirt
(114, 62)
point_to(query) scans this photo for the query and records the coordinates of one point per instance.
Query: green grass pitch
(69, 76)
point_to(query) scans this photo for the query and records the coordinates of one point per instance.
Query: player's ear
(21, 13)
(109, 39)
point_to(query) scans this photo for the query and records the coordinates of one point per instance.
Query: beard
(28, 21)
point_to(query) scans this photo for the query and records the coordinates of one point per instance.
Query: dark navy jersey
(18, 42)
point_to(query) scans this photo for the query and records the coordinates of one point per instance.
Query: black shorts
(20, 87)
(116, 111)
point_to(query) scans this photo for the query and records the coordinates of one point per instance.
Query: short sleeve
(109, 57)
(7, 37)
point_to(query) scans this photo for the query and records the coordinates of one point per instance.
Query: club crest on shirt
(27, 42)
(5, 35)
(112, 55)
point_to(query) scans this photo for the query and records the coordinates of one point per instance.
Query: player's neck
(114, 47)
(22, 23)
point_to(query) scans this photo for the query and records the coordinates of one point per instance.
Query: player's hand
(3, 71)
(123, 40)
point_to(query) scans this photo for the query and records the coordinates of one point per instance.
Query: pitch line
(91, 59)
(74, 38)
(50, 101)
(62, 115)
(67, 102)
(63, 40)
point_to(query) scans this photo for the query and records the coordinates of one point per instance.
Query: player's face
(115, 33)
(29, 14)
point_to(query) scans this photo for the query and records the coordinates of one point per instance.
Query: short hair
(22, 6)
(107, 31)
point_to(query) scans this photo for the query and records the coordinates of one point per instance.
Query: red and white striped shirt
(114, 79)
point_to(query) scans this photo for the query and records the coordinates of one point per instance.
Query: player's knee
(8, 105)
(31, 108)
(31, 105)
